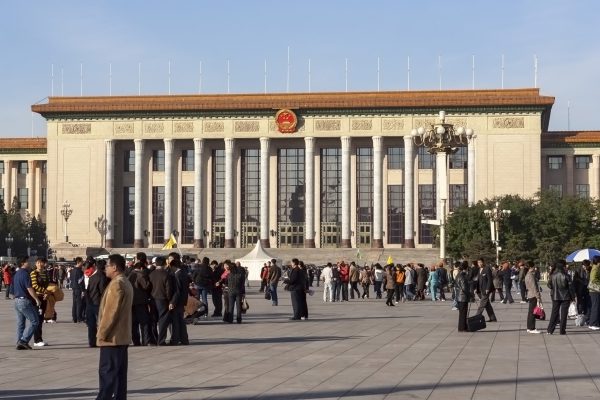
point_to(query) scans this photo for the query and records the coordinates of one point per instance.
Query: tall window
(582, 191)
(458, 196)
(44, 165)
(187, 160)
(44, 198)
(427, 210)
(291, 200)
(364, 184)
(2, 167)
(250, 196)
(331, 185)
(582, 162)
(158, 160)
(23, 196)
(459, 160)
(395, 158)
(218, 187)
(129, 161)
(395, 214)
(187, 214)
(128, 214)
(22, 167)
(555, 162)
(426, 160)
(2, 196)
(558, 189)
(158, 214)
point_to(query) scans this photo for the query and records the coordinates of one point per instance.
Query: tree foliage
(13, 222)
(543, 228)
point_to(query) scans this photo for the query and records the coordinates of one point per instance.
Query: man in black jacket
(562, 293)
(203, 278)
(298, 282)
(162, 293)
(485, 288)
(140, 313)
(93, 294)
(177, 304)
(77, 286)
(217, 290)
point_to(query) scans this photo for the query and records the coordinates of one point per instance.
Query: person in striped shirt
(39, 283)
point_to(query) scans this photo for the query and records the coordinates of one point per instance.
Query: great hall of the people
(291, 170)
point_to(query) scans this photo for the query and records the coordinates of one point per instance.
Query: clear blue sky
(36, 34)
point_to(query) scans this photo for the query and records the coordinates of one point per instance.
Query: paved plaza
(356, 350)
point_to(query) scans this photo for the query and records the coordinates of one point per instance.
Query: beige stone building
(218, 171)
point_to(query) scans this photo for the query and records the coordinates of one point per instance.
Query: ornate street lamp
(441, 139)
(66, 213)
(9, 241)
(496, 215)
(28, 240)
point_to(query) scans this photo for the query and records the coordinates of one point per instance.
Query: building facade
(227, 170)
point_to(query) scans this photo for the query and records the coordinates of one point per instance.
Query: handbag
(267, 294)
(476, 322)
(539, 313)
(572, 314)
(594, 287)
(245, 305)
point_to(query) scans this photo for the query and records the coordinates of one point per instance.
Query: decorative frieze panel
(154, 127)
(183, 127)
(389, 124)
(214, 126)
(327, 125)
(123, 128)
(246, 126)
(76, 129)
(427, 122)
(362, 124)
(508, 123)
(457, 122)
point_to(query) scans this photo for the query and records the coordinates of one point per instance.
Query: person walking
(162, 293)
(594, 292)
(114, 331)
(507, 280)
(237, 290)
(433, 283)
(421, 273)
(77, 288)
(93, 294)
(26, 304)
(533, 296)
(141, 298)
(366, 278)
(7, 277)
(179, 335)
(203, 279)
(39, 283)
(273, 279)
(497, 279)
(462, 294)
(327, 274)
(485, 287)
(377, 280)
(388, 284)
(344, 279)
(399, 285)
(562, 293)
(354, 279)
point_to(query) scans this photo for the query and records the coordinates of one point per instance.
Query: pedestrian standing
(462, 294)
(39, 283)
(485, 287)
(26, 304)
(114, 331)
(388, 284)
(533, 296)
(93, 294)
(562, 293)
(274, 277)
(594, 292)
(297, 285)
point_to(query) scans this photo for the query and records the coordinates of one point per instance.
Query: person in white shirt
(326, 276)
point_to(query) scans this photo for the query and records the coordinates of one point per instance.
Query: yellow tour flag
(389, 260)
(171, 243)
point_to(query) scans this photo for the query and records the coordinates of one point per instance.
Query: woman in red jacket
(7, 274)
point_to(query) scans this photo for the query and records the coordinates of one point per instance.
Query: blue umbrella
(583, 254)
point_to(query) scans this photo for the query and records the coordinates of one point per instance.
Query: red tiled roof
(23, 143)
(342, 100)
(571, 137)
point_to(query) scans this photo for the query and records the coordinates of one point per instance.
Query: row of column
(346, 143)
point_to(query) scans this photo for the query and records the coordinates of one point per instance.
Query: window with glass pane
(364, 184)
(556, 189)
(128, 214)
(458, 196)
(187, 160)
(395, 214)
(187, 214)
(582, 162)
(158, 214)
(250, 196)
(218, 186)
(331, 185)
(44, 198)
(23, 196)
(129, 161)
(427, 210)
(44, 167)
(395, 158)
(2, 167)
(426, 160)
(459, 159)
(291, 185)
(22, 167)
(2, 196)
(555, 162)
(582, 191)
(158, 160)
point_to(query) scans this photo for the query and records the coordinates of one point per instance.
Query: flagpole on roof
(502, 72)
(139, 78)
(408, 73)
(265, 76)
(200, 78)
(110, 79)
(378, 72)
(169, 77)
(473, 73)
(81, 79)
(287, 81)
(346, 75)
(52, 80)
(309, 77)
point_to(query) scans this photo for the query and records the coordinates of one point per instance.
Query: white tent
(255, 260)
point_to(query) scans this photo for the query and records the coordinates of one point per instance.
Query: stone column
(110, 193)
(264, 191)
(138, 239)
(38, 189)
(409, 216)
(14, 182)
(377, 240)
(6, 184)
(229, 193)
(441, 182)
(198, 226)
(169, 188)
(30, 184)
(471, 172)
(595, 177)
(309, 196)
(569, 162)
(346, 201)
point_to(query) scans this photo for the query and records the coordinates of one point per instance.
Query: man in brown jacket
(114, 331)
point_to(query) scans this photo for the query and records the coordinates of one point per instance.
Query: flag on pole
(171, 243)
(358, 255)
(389, 260)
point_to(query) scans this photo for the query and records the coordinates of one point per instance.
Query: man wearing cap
(114, 331)
(26, 300)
